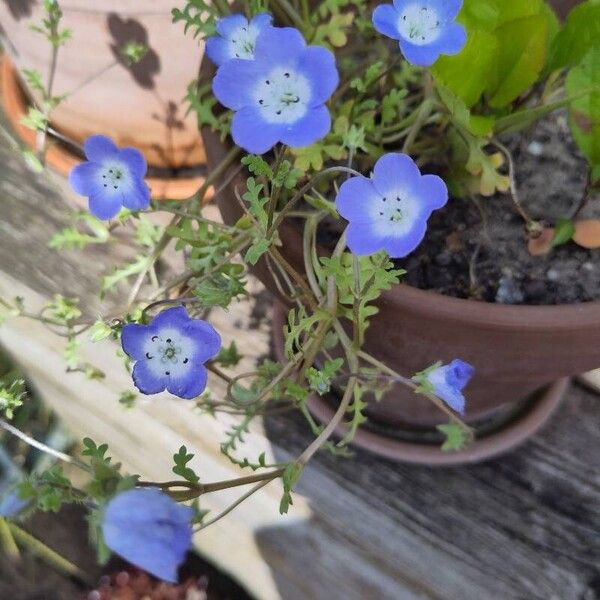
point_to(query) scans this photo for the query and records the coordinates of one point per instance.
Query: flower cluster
(170, 353)
(111, 178)
(425, 29)
(279, 91)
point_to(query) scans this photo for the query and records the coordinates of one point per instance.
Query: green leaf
(181, 460)
(456, 438)
(580, 33)
(563, 232)
(584, 113)
(99, 331)
(256, 251)
(522, 51)
(289, 478)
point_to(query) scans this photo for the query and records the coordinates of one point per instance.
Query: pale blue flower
(425, 29)
(448, 382)
(389, 211)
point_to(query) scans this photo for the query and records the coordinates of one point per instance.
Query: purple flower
(236, 37)
(12, 504)
(280, 95)
(148, 529)
(390, 210)
(111, 178)
(448, 381)
(171, 352)
(425, 28)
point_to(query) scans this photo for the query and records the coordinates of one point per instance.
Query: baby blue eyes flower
(448, 381)
(389, 211)
(236, 37)
(11, 505)
(424, 28)
(111, 178)
(280, 95)
(170, 353)
(150, 530)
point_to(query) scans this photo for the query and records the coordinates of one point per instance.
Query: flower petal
(447, 9)
(146, 381)
(176, 316)
(395, 171)
(208, 341)
(99, 147)
(459, 373)
(279, 45)
(420, 56)
(318, 64)
(227, 26)
(191, 384)
(83, 177)
(362, 239)
(261, 21)
(385, 20)
(133, 338)
(218, 49)
(354, 198)
(135, 161)
(452, 39)
(148, 529)
(315, 125)
(234, 82)
(401, 246)
(252, 133)
(137, 197)
(105, 205)
(433, 191)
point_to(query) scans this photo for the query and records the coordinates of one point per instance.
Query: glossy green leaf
(584, 114)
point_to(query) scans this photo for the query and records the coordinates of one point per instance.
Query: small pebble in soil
(509, 292)
(535, 149)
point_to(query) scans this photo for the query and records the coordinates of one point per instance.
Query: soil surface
(479, 249)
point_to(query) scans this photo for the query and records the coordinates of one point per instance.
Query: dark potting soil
(479, 249)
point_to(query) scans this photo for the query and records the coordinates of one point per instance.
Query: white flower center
(243, 42)
(420, 25)
(169, 353)
(282, 96)
(394, 213)
(114, 176)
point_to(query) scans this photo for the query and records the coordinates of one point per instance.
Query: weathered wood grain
(522, 527)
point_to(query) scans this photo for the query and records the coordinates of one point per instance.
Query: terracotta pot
(141, 105)
(515, 349)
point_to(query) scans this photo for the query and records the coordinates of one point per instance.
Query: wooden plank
(524, 526)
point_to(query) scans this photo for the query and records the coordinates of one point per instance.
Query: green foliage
(133, 52)
(64, 309)
(99, 331)
(35, 119)
(48, 490)
(73, 238)
(202, 103)
(563, 232)
(228, 356)
(49, 26)
(579, 35)
(456, 437)
(290, 477)
(506, 51)
(334, 32)
(128, 399)
(320, 379)
(584, 114)
(12, 395)
(106, 479)
(376, 274)
(197, 16)
(119, 274)
(181, 468)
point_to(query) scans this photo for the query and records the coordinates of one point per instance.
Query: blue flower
(425, 28)
(148, 529)
(280, 95)
(236, 37)
(111, 178)
(448, 381)
(11, 505)
(390, 210)
(170, 353)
